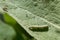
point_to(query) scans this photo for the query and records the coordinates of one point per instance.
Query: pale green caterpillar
(39, 28)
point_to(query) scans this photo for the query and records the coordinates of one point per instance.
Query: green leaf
(9, 20)
(26, 19)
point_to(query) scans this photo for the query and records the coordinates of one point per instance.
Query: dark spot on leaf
(5, 8)
(35, 4)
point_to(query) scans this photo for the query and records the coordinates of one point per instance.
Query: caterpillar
(39, 28)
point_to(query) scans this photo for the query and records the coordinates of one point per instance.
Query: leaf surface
(16, 9)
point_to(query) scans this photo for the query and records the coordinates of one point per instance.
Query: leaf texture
(18, 10)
